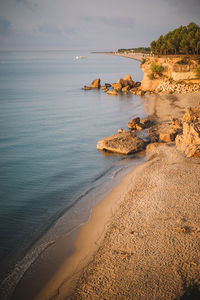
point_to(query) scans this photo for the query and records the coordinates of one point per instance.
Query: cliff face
(172, 70)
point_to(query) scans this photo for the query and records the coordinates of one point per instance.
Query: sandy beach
(142, 240)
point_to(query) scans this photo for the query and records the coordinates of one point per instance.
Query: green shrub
(143, 61)
(197, 71)
(184, 61)
(151, 76)
(157, 69)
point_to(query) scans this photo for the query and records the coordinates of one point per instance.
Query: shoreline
(103, 219)
(135, 56)
(62, 248)
(88, 241)
(59, 284)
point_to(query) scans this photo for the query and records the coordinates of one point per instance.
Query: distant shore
(135, 56)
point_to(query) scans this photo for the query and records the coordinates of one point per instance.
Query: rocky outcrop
(95, 84)
(189, 141)
(124, 86)
(124, 143)
(173, 70)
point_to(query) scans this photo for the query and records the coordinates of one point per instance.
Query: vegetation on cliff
(182, 40)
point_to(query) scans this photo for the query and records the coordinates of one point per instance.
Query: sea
(49, 165)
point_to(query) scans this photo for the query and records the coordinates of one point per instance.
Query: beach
(142, 240)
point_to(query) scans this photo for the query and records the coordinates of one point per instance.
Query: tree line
(182, 40)
(135, 50)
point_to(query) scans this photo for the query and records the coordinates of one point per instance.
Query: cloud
(115, 21)
(189, 7)
(49, 29)
(5, 27)
(29, 4)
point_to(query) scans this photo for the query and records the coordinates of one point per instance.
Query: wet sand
(142, 240)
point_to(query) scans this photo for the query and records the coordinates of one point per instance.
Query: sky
(90, 24)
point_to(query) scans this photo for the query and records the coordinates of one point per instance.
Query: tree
(184, 40)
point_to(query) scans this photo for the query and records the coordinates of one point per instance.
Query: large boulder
(95, 84)
(124, 143)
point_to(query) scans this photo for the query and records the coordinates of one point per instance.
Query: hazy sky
(90, 24)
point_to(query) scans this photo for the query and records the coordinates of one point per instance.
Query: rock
(128, 81)
(147, 122)
(104, 87)
(108, 85)
(121, 130)
(192, 114)
(117, 86)
(95, 84)
(133, 122)
(170, 131)
(133, 91)
(166, 137)
(85, 88)
(140, 93)
(137, 84)
(124, 143)
(112, 93)
(188, 141)
(125, 89)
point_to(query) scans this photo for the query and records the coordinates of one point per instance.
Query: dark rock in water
(137, 84)
(95, 84)
(107, 85)
(124, 143)
(133, 123)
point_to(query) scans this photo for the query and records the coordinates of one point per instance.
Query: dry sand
(151, 250)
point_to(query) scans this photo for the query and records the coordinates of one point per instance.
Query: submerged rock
(108, 85)
(124, 143)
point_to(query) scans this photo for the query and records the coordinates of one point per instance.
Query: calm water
(49, 129)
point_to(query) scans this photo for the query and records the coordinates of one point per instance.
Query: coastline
(135, 56)
(139, 197)
(99, 227)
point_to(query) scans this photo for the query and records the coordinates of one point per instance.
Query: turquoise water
(49, 128)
